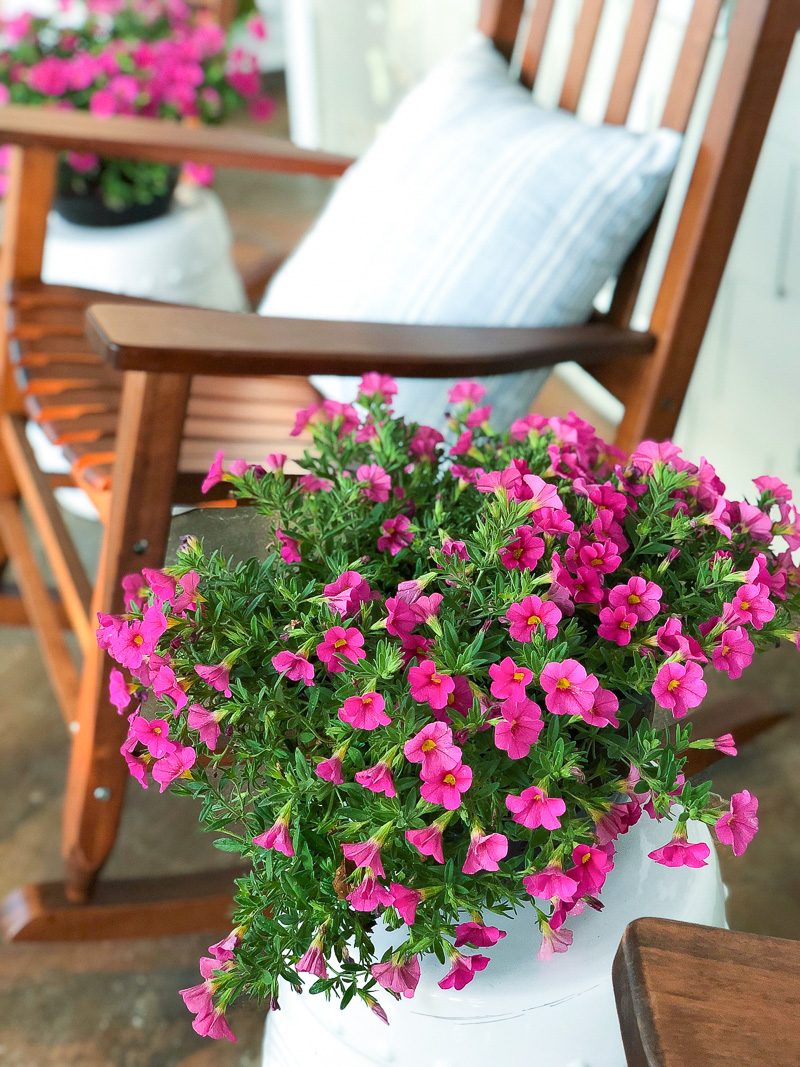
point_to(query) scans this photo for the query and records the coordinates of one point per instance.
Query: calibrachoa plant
(156, 58)
(450, 681)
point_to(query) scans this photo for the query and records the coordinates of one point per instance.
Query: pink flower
(206, 723)
(399, 978)
(591, 865)
(464, 391)
(434, 748)
(752, 604)
(461, 699)
(671, 639)
(119, 691)
(213, 1024)
(478, 417)
(405, 902)
(395, 535)
(216, 675)
(509, 680)
(174, 765)
(733, 653)
(378, 779)
(778, 490)
(462, 970)
(376, 481)
(454, 548)
(277, 837)
(290, 549)
(215, 474)
(553, 941)
(375, 384)
(346, 595)
(427, 685)
(726, 744)
(313, 959)
(425, 608)
(524, 552)
(570, 690)
(303, 418)
(540, 493)
(477, 935)
(447, 785)
(139, 638)
(485, 852)
(640, 597)
(338, 643)
(364, 712)
(423, 443)
(603, 711)
(739, 826)
(294, 667)
(681, 853)
(137, 765)
(330, 770)
(533, 808)
(415, 647)
(369, 894)
(549, 883)
(679, 686)
(153, 734)
(365, 854)
(519, 727)
(427, 841)
(531, 613)
(401, 619)
(616, 624)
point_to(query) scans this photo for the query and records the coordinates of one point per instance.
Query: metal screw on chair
(102, 793)
(140, 547)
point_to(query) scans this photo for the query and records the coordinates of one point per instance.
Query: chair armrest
(189, 341)
(161, 141)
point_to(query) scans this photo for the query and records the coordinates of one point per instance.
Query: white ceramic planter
(519, 1012)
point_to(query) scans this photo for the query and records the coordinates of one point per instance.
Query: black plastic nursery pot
(88, 208)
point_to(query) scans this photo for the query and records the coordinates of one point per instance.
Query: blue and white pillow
(476, 207)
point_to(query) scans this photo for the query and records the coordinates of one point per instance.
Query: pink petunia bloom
(303, 418)
(313, 959)
(570, 690)
(519, 727)
(534, 808)
(176, 764)
(591, 865)
(434, 748)
(478, 935)
(739, 826)
(509, 680)
(446, 786)
(395, 535)
(135, 589)
(223, 950)
(277, 837)
(778, 490)
(294, 667)
(337, 643)
(217, 676)
(460, 699)
(377, 483)
(427, 841)
(405, 902)
(671, 639)
(462, 970)
(165, 684)
(369, 894)
(206, 723)
(681, 853)
(726, 744)
(426, 608)
(603, 711)
(638, 596)
(119, 691)
(423, 443)
(454, 548)
(529, 614)
(414, 647)
(463, 444)
(290, 548)
(485, 852)
(616, 624)
(139, 638)
(399, 978)
(466, 391)
(539, 493)
(679, 686)
(213, 1024)
(365, 854)
(549, 883)
(553, 941)
(153, 734)
(364, 712)
(752, 605)
(427, 685)
(378, 779)
(524, 552)
(330, 770)
(346, 595)
(375, 384)
(310, 483)
(215, 475)
(733, 653)
(137, 765)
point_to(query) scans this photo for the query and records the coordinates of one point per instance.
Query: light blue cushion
(475, 207)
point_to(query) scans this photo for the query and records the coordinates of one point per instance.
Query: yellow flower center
(534, 620)
(449, 779)
(624, 625)
(634, 599)
(138, 640)
(745, 604)
(562, 683)
(586, 858)
(340, 643)
(157, 730)
(436, 679)
(366, 700)
(429, 745)
(673, 684)
(518, 676)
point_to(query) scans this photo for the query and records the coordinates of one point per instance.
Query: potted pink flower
(444, 715)
(156, 58)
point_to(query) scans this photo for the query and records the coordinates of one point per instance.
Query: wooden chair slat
(634, 45)
(499, 20)
(582, 45)
(536, 36)
(691, 61)
(72, 403)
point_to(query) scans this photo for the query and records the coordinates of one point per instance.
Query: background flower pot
(89, 208)
(520, 1012)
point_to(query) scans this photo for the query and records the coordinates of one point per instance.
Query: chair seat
(75, 397)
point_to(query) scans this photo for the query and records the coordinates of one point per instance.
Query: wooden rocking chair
(141, 411)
